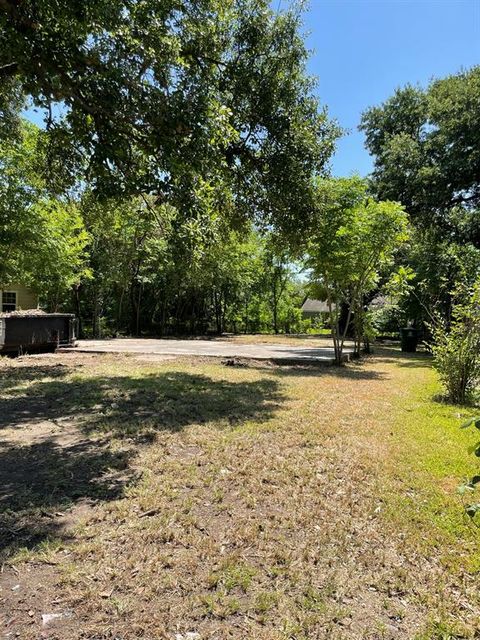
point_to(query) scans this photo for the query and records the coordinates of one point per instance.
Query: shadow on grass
(354, 370)
(42, 477)
(39, 480)
(11, 377)
(351, 371)
(127, 405)
(347, 372)
(417, 363)
(403, 359)
(470, 404)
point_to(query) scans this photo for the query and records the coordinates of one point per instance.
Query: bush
(456, 350)
(472, 508)
(386, 320)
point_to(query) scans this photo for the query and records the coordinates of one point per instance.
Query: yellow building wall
(26, 298)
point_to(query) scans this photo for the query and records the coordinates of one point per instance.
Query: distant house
(379, 302)
(312, 308)
(17, 297)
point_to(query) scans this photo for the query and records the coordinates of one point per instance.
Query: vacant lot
(286, 350)
(146, 499)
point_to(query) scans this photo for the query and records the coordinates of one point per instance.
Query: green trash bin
(409, 339)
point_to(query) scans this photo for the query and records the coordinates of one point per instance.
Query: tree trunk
(275, 305)
(120, 309)
(223, 312)
(163, 316)
(96, 315)
(218, 312)
(76, 292)
(275, 316)
(137, 318)
(335, 329)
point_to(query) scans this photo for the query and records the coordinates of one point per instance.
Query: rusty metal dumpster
(35, 332)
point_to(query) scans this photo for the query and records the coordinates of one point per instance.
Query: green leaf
(475, 449)
(472, 509)
(463, 488)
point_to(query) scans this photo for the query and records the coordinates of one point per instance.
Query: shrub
(387, 319)
(457, 361)
(472, 508)
(456, 349)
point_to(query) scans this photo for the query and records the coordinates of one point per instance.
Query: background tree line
(426, 149)
(132, 265)
(171, 185)
(181, 179)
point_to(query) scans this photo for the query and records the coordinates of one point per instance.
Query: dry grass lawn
(153, 500)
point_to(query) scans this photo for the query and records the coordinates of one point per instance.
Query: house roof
(315, 306)
(32, 313)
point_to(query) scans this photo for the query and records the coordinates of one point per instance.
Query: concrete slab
(216, 348)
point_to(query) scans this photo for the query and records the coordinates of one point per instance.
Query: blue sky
(364, 49)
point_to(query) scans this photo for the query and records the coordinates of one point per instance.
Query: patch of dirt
(31, 590)
(25, 594)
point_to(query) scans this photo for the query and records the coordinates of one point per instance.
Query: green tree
(426, 144)
(127, 251)
(151, 271)
(440, 266)
(58, 260)
(353, 238)
(42, 238)
(160, 96)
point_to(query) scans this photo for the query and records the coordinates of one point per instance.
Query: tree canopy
(173, 99)
(42, 237)
(426, 145)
